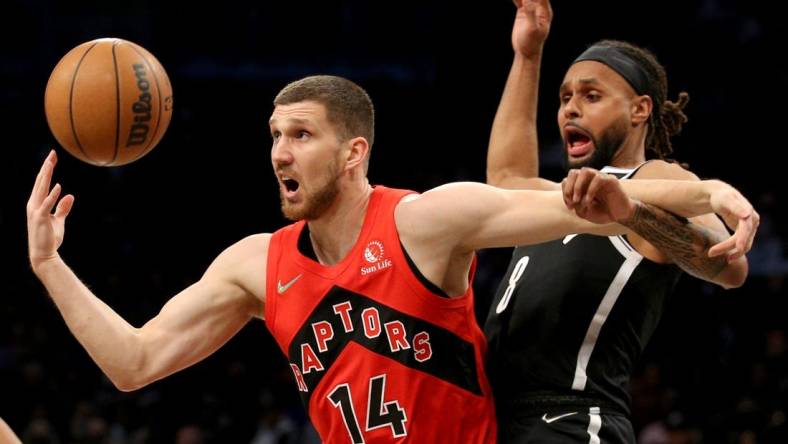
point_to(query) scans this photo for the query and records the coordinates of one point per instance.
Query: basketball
(108, 102)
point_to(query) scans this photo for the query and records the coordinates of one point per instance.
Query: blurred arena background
(717, 369)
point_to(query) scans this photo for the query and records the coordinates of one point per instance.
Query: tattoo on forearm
(685, 243)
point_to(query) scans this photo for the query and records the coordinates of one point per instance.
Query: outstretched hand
(596, 196)
(531, 26)
(45, 230)
(739, 215)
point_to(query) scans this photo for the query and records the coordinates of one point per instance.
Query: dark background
(716, 369)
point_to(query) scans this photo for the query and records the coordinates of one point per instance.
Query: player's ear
(357, 151)
(641, 109)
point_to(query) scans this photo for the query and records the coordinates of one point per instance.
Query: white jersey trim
(594, 425)
(631, 261)
(627, 172)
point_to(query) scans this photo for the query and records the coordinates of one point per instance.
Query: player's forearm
(686, 244)
(112, 342)
(682, 197)
(524, 217)
(513, 146)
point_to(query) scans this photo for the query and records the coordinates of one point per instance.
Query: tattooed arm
(686, 243)
(660, 236)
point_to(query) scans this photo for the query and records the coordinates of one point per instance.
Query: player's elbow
(126, 384)
(129, 381)
(136, 371)
(734, 274)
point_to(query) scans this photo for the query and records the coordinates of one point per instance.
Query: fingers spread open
(43, 179)
(64, 206)
(51, 199)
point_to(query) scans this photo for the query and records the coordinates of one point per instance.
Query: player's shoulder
(253, 241)
(251, 247)
(660, 169)
(439, 210)
(242, 263)
(442, 194)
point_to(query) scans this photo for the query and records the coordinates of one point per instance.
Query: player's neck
(632, 151)
(336, 231)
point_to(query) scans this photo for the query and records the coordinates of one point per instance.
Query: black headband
(621, 63)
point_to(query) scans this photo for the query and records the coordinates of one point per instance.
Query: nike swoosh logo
(283, 288)
(556, 418)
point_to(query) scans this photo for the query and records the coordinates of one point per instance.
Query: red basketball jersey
(377, 357)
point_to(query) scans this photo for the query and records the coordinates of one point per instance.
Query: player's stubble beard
(605, 147)
(317, 201)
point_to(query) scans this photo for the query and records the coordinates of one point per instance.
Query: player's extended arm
(687, 242)
(192, 325)
(442, 228)
(696, 245)
(467, 216)
(513, 154)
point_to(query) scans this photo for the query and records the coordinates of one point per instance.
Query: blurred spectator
(767, 257)
(190, 434)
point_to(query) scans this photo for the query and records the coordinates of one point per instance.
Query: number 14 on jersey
(380, 413)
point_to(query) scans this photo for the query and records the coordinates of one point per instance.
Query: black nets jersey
(572, 316)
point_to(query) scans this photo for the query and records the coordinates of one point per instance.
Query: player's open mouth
(578, 142)
(291, 185)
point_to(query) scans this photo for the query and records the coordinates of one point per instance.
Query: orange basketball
(108, 102)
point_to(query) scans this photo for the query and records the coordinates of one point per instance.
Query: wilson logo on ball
(140, 108)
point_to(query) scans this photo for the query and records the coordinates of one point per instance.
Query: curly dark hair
(666, 117)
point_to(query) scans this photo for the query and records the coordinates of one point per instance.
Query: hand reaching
(45, 230)
(739, 215)
(531, 26)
